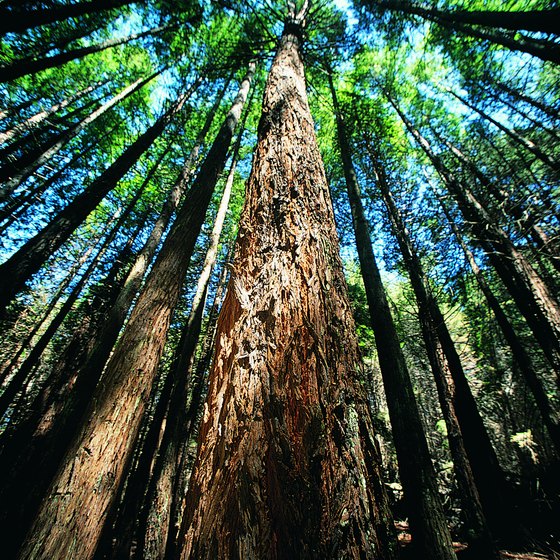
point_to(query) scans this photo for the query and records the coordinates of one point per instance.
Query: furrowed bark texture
(70, 520)
(287, 466)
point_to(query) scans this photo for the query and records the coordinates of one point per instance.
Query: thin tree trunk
(523, 220)
(478, 533)
(552, 133)
(40, 322)
(99, 355)
(24, 67)
(33, 448)
(39, 117)
(518, 351)
(23, 264)
(545, 21)
(529, 292)
(519, 96)
(19, 20)
(430, 533)
(547, 50)
(287, 466)
(521, 140)
(16, 207)
(92, 472)
(30, 362)
(15, 173)
(26, 149)
(17, 109)
(193, 415)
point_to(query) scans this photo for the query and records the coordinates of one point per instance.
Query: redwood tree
(287, 466)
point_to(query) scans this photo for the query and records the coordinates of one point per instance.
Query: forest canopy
(279, 279)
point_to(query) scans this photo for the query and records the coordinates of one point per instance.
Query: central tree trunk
(287, 465)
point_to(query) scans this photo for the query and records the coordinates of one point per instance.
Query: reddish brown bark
(287, 466)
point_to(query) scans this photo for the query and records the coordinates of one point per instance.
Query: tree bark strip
(518, 351)
(159, 524)
(549, 51)
(34, 444)
(39, 117)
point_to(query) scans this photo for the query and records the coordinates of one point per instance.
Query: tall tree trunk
(18, 108)
(24, 67)
(159, 525)
(478, 533)
(98, 356)
(91, 473)
(33, 448)
(122, 527)
(40, 322)
(27, 260)
(529, 292)
(287, 466)
(519, 96)
(13, 174)
(30, 362)
(27, 149)
(431, 536)
(522, 216)
(514, 135)
(20, 20)
(194, 413)
(545, 21)
(18, 204)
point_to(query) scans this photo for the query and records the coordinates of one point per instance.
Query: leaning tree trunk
(36, 445)
(36, 119)
(431, 536)
(518, 351)
(548, 51)
(514, 135)
(531, 295)
(13, 174)
(27, 260)
(287, 466)
(19, 68)
(551, 112)
(91, 474)
(544, 21)
(20, 20)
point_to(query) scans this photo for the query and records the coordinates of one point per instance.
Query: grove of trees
(279, 279)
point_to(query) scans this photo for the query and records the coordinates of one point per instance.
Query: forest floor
(462, 549)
